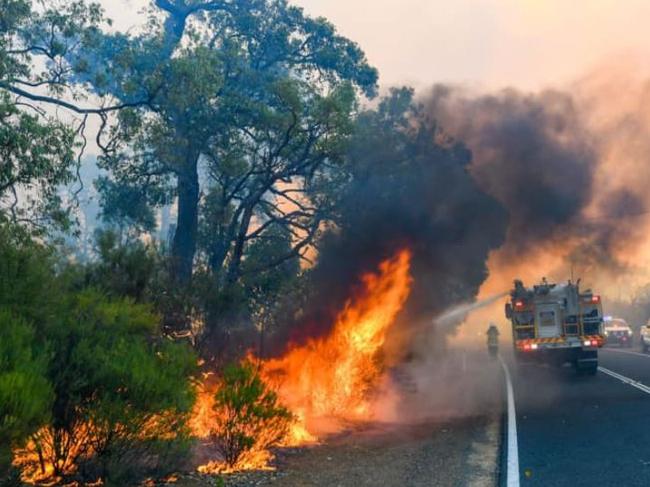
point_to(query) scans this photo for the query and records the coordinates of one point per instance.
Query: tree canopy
(248, 102)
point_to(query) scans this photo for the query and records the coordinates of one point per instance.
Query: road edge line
(512, 460)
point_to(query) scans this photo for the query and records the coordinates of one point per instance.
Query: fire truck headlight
(587, 343)
(534, 346)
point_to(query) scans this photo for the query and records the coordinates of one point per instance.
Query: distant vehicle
(556, 323)
(645, 337)
(618, 332)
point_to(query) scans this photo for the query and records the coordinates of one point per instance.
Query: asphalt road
(584, 431)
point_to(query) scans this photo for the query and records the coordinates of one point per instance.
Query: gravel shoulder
(454, 453)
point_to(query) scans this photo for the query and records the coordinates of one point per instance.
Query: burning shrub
(25, 394)
(249, 417)
(119, 393)
(26, 287)
(86, 379)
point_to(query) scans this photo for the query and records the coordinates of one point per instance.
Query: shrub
(123, 268)
(26, 291)
(25, 394)
(86, 378)
(119, 392)
(249, 416)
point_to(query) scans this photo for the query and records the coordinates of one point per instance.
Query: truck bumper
(583, 358)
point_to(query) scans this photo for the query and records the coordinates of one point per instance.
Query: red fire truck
(556, 323)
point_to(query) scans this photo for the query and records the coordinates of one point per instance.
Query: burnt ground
(452, 438)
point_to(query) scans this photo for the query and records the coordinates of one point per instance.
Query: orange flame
(328, 380)
(332, 377)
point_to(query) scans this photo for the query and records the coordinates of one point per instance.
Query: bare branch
(70, 106)
(80, 132)
(296, 251)
(285, 194)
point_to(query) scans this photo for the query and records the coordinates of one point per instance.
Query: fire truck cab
(556, 323)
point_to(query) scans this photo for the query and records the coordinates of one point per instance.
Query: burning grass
(293, 400)
(246, 419)
(324, 383)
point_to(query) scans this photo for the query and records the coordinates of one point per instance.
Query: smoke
(570, 166)
(457, 383)
(530, 152)
(407, 186)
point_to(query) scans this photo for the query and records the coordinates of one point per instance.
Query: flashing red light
(527, 346)
(595, 299)
(519, 304)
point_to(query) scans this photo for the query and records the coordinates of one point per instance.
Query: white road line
(512, 465)
(626, 380)
(627, 352)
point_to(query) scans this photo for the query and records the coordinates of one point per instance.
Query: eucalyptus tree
(249, 105)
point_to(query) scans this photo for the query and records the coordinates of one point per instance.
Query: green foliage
(36, 149)
(249, 416)
(25, 394)
(87, 377)
(125, 206)
(116, 386)
(28, 285)
(37, 158)
(256, 91)
(123, 268)
(264, 282)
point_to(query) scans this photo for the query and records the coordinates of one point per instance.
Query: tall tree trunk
(184, 243)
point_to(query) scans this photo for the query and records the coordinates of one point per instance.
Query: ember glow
(329, 381)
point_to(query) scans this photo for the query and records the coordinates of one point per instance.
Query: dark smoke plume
(408, 186)
(539, 156)
(531, 152)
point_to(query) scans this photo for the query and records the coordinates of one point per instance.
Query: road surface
(584, 431)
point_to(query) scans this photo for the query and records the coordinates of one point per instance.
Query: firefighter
(493, 340)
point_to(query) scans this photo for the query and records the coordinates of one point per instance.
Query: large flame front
(333, 376)
(328, 380)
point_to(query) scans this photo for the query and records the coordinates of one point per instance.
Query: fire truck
(556, 323)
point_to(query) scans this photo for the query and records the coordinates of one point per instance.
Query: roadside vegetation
(247, 119)
(249, 416)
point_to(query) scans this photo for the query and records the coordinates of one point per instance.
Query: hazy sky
(489, 43)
